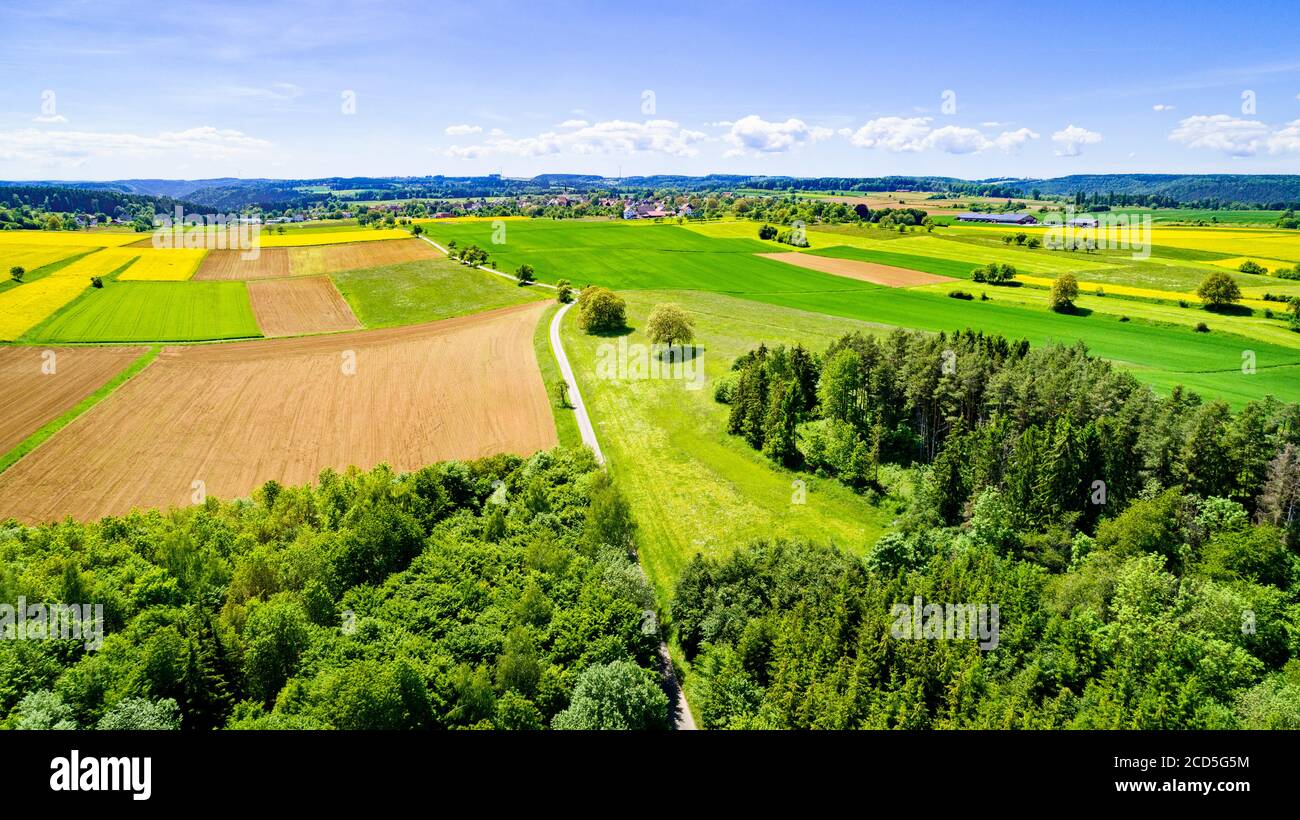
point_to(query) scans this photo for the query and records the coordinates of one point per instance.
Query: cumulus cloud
(1286, 140)
(1071, 139)
(72, 148)
(574, 124)
(1012, 141)
(757, 135)
(1220, 132)
(913, 134)
(897, 134)
(462, 130)
(1162, 107)
(612, 137)
(50, 118)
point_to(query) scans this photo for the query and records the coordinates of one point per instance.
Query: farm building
(999, 219)
(1082, 222)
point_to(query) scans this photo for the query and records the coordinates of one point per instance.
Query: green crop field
(152, 312)
(425, 291)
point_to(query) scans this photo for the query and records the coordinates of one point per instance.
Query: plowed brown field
(356, 255)
(234, 415)
(887, 275)
(221, 265)
(30, 397)
(289, 307)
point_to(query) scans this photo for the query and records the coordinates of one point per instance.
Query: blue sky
(104, 90)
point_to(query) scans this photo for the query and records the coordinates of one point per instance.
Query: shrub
(960, 294)
(17, 272)
(767, 232)
(1251, 266)
(1202, 327)
(563, 292)
(96, 282)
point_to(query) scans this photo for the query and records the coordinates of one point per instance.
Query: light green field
(693, 487)
(425, 291)
(152, 312)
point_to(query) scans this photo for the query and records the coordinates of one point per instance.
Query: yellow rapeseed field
(162, 264)
(31, 257)
(25, 306)
(1236, 261)
(301, 238)
(100, 263)
(1144, 293)
(94, 239)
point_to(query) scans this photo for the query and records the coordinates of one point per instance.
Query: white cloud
(1162, 107)
(1011, 142)
(462, 130)
(1221, 132)
(955, 139)
(72, 148)
(574, 124)
(913, 134)
(50, 118)
(897, 134)
(759, 136)
(1286, 140)
(613, 137)
(1070, 138)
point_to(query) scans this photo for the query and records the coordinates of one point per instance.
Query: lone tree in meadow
(1251, 266)
(600, 311)
(767, 232)
(524, 273)
(1219, 290)
(416, 230)
(17, 272)
(564, 291)
(1064, 291)
(670, 325)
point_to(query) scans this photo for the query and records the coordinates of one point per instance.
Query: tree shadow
(1229, 310)
(612, 333)
(679, 354)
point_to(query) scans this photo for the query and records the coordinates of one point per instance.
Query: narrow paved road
(575, 398)
(681, 711)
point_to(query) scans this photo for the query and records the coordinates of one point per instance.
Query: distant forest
(1276, 192)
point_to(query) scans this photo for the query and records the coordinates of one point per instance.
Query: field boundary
(47, 431)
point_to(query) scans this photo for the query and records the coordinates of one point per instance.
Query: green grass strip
(566, 423)
(40, 436)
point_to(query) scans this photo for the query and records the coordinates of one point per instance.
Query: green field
(693, 487)
(634, 256)
(152, 312)
(425, 291)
